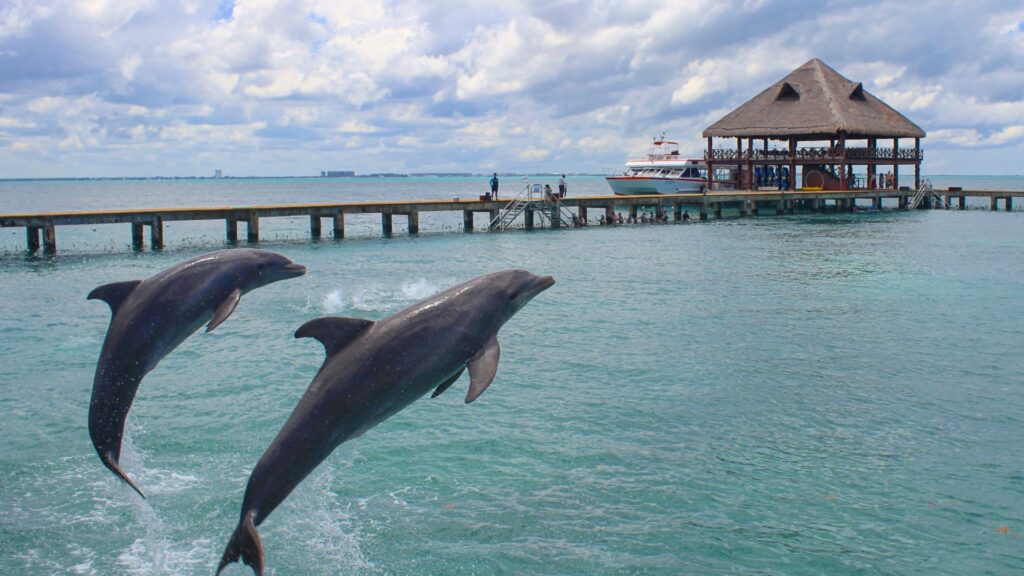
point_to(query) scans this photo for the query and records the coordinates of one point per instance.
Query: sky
(136, 88)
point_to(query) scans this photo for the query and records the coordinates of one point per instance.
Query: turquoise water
(835, 394)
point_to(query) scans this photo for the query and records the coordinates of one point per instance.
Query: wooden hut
(814, 104)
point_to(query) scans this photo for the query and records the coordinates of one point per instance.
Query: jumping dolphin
(372, 371)
(151, 317)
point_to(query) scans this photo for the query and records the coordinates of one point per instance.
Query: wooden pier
(748, 202)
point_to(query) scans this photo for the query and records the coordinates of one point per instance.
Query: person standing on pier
(494, 186)
(561, 186)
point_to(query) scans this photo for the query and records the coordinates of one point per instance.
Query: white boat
(664, 171)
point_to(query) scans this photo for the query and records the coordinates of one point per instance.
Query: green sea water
(807, 394)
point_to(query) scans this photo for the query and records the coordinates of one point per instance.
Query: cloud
(261, 87)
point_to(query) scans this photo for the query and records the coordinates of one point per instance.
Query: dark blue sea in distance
(804, 394)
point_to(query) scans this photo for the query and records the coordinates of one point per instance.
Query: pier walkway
(705, 205)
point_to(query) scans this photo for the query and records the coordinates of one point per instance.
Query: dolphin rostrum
(151, 317)
(372, 371)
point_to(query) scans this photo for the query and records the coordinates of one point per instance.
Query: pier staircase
(925, 194)
(531, 197)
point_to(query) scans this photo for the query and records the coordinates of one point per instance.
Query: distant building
(337, 174)
(218, 173)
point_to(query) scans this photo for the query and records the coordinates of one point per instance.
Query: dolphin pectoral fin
(447, 383)
(114, 294)
(334, 332)
(115, 467)
(482, 368)
(225, 309)
(245, 545)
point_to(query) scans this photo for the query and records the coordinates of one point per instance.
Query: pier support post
(962, 203)
(49, 238)
(314, 226)
(718, 210)
(385, 224)
(704, 211)
(339, 226)
(878, 202)
(528, 218)
(743, 207)
(903, 202)
(156, 234)
(753, 208)
(1009, 203)
(414, 222)
(609, 212)
(790, 206)
(632, 211)
(556, 215)
(993, 203)
(493, 218)
(467, 220)
(677, 211)
(253, 227)
(945, 202)
(780, 207)
(582, 212)
(32, 238)
(137, 241)
(231, 230)
(815, 205)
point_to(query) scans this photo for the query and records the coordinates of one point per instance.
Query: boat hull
(640, 185)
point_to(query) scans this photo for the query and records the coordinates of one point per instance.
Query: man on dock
(561, 186)
(494, 186)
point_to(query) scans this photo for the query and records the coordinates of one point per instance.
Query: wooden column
(339, 226)
(1009, 203)
(750, 163)
(878, 201)
(467, 220)
(872, 171)
(711, 169)
(816, 205)
(32, 238)
(743, 207)
(231, 230)
(842, 161)
(385, 224)
(962, 203)
(555, 215)
(718, 210)
(780, 207)
(493, 218)
(414, 222)
(632, 211)
(137, 241)
(582, 210)
(156, 234)
(753, 208)
(917, 163)
(677, 211)
(993, 203)
(49, 238)
(704, 210)
(314, 226)
(528, 217)
(609, 212)
(895, 163)
(739, 163)
(253, 227)
(792, 163)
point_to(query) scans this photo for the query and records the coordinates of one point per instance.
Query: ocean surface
(805, 394)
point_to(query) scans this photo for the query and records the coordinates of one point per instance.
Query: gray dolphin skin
(151, 317)
(372, 371)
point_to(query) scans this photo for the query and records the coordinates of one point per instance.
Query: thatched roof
(814, 102)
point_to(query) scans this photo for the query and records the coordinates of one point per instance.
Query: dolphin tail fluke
(245, 545)
(112, 463)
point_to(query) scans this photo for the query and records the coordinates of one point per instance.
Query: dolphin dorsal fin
(482, 368)
(334, 332)
(114, 294)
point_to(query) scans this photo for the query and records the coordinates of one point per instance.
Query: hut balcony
(859, 155)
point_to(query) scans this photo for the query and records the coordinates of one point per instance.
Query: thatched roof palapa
(814, 102)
